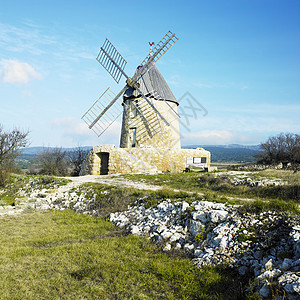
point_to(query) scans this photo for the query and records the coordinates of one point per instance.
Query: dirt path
(111, 180)
(115, 180)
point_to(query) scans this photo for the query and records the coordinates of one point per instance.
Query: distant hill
(38, 150)
(233, 153)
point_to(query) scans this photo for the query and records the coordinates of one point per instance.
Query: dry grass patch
(61, 255)
(290, 176)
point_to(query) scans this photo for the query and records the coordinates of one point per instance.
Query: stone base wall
(141, 160)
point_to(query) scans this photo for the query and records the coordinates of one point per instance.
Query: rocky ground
(244, 178)
(265, 246)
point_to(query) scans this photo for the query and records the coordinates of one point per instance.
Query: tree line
(58, 162)
(10, 144)
(283, 148)
(51, 161)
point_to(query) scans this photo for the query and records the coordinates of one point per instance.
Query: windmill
(148, 105)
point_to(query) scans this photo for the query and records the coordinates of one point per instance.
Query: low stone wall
(141, 160)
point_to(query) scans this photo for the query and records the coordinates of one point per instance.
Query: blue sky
(239, 59)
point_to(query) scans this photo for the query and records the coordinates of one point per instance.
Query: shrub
(201, 236)
(283, 148)
(10, 144)
(53, 162)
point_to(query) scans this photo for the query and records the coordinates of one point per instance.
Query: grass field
(218, 189)
(189, 186)
(62, 255)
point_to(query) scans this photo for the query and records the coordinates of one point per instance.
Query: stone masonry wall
(163, 137)
(141, 160)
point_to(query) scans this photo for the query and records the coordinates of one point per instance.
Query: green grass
(219, 189)
(258, 206)
(28, 183)
(61, 255)
(174, 180)
(287, 175)
(108, 198)
(221, 184)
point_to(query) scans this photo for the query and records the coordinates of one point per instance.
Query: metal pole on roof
(151, 44)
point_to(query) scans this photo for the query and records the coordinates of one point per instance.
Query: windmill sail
(108, 117)
(108, 106)
(112, 60)
(159, 50)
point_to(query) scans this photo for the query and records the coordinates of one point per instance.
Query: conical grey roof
(153, 85)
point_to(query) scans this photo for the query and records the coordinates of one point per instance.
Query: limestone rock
(216, 216)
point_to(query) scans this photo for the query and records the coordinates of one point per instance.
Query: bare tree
(77, 158)
(53, 161)
(283, 148)
(10, 144)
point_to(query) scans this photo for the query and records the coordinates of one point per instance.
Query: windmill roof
(153, 85)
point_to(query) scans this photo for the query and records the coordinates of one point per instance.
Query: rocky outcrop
(265, 246)
(257, 167)
(246, 178)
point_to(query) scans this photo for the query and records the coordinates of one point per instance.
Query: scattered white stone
(291, 282)
(269, 274)
(167, 247)
(175, 237)
(135, 230)
(216, 216)
(269, 264)
(195, 227)
(198, 253)
(185, 206)
(166, 234)
(178, 246)
(188, 247)
(199, 216)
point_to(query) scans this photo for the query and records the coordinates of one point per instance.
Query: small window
(133, 110)
(197, 160)
(203, 160)
(132, 137)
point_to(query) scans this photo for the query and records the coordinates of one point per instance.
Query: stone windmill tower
(138, 132)
(149, 106)
(150, 139)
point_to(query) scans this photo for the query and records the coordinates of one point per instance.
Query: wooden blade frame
(112, 60)
(99, 110)
(159, 50)
(114, 63)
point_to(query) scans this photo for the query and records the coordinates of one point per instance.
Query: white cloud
(36, 40)
(70, 126)
(207, 137)
(13, 71)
